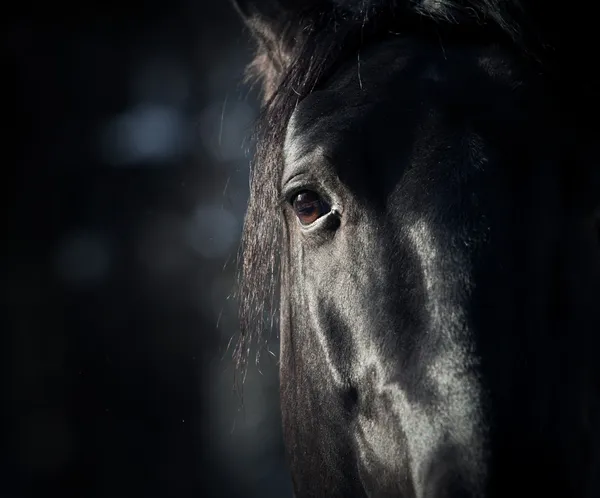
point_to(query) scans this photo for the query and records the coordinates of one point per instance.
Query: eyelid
(297, 185)
(333, 216)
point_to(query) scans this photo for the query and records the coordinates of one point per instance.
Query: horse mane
(295, 55)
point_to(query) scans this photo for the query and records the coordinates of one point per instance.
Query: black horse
(424, 214)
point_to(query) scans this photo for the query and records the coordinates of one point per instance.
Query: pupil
(308, 206)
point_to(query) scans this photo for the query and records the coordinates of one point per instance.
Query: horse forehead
(318, 123)
(391, 78)
(344, 97)
(325, 116)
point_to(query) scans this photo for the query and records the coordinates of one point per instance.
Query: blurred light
(151, 134)
(83, 258)
(247, 442)
(212, 231)
(224, 127)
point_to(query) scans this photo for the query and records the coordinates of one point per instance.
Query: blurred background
(125, 185)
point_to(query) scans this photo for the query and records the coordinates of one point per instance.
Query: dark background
(125, 179)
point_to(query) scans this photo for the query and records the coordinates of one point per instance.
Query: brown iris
(309, 206)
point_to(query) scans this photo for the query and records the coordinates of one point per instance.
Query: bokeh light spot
(212, 231)
(149, 134)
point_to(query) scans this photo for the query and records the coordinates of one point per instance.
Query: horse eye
(309, 207)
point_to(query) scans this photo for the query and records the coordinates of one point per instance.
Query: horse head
(424, 203)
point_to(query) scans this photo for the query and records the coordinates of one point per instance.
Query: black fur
(458, 139)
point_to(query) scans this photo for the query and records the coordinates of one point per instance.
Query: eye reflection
(309, 206)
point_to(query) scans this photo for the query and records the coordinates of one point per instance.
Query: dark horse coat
(424, 211)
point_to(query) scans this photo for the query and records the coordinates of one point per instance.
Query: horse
(424, 218)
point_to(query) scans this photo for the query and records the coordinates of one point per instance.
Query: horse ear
(276, 26)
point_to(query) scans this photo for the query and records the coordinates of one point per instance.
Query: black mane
(308, 46)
